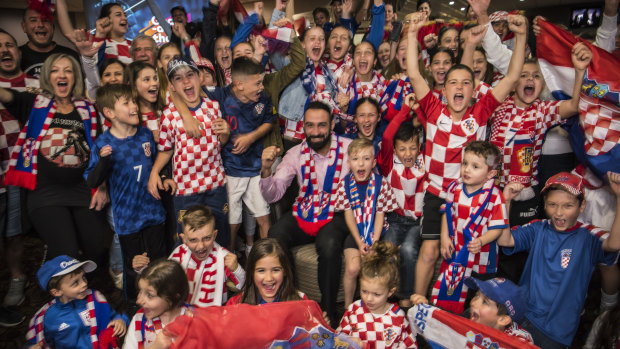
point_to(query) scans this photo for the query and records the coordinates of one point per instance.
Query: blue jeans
(405, 231)
(116, 257)
(540, 339)
(217, 200)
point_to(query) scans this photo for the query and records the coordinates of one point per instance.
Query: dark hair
(443, 32)
(54, 282)
(107, 9)
(461, 67)
(370, 100)
(487, 150)
(2, 31)
(553, 187)
(372, 47)
(440, 49)
(321, 106)
(244, 66)
(108, 62)
(261, 249)
(178, 8)
(131, 75)
(318, 10)
(383, 263)
(488, 75)
(169, 281)
(420, 2)
(406, 131)
(108, 94)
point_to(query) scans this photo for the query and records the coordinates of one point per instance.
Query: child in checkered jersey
(373, 321)
(123, 156)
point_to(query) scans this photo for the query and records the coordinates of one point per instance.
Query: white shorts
(248, 190)
(600, 208)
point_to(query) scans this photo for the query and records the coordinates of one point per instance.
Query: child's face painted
(186, 83)
(268, 277)
(474, 170)
(147, 85)
(72, 287)
(530, 83)
(562, 209)
(440, 65)
(361, 163)
(366, 119)
(338, 43)
(375, 293)
(484, 311)
(458, 90)
(407, 151)
(480, 65)
(113, 74)
(200, 241)
(152, 304)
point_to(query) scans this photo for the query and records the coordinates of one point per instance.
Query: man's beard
(10, 72)
(317, 143)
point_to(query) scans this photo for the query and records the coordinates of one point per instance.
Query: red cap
(571, 182)
(498, 16)
(205, 63)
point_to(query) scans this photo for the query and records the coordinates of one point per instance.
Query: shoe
(15, 295)
(9, 318)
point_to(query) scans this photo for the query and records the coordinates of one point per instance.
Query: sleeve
(499, 215)
(131, 342)
(406, 337)
(237, 276)
(286, 73)
(524, 236)
(101, 53)
(166, 135)
(208, 31)
(243, 31)
(270, 112)
(386, 153)
(97, 169)
(215, 93)
(91, 74)
(345, 325)
(431, 108)
(484, 108)
(550, 110)
(274, 187)
(377, 26)
(387, 200)
(275, 16)
(342, 201)
(21, 106)
(606, 33)
(498, 54)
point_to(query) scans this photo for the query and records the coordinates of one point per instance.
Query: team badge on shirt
(566, 257)
(85, 317)
(469, 126)
(147, 149)
(258, 108)
(389, 335)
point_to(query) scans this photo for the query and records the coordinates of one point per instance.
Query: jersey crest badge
(389, 335)
(258, 108)
(147, 149)
(566, 254)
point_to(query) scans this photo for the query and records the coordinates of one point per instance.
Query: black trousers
(329, 246)
(151, 240)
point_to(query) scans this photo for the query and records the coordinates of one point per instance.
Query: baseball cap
(61, 265)
(571, 182)
(498, 16)
(178, 62)
(205, 63)
(501, 291)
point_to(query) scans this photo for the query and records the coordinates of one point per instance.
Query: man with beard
(11, 76)
(40, 31)
(319, 163)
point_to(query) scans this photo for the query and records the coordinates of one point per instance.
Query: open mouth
(529, 90)
(152, 92)
(316, 51)
(559, 223)
(269, 288)
(123, 24)
(363, 66)
(441, 76)
(477, 74)
(41, 34)
(474, 316)
(409, 162)
(7, 59)
(459, 98)
(337, 50)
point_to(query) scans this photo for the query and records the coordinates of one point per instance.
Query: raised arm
(612, 243)
(606, 33)
(377, 26)
(511, 190)
(518, 25)
(420, 87)
(361, 12)
(581, 57)
(62, 11)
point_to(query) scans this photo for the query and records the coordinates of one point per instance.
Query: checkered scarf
(314, 209)
(338, 67)
(36, 330)
(395, 93)
(308, 78)
(22, 170)
(364, 213)
(450, 291)
(358, 89)
(152, 327)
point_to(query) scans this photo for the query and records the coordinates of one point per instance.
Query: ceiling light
(452, 2)
(462, 8)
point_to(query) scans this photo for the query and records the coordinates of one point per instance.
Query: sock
(608, 301)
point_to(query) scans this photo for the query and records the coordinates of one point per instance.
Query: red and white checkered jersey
(386, 201)
(197, 162)
(389, 330)
(517, 331)
(446, 138)
(512, 125)
(9, 126)
(478, 212)
(408, 185)
(150, 120)
(118, 50)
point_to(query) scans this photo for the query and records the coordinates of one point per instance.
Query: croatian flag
(235, 6)
(442, 329)
(594, 136)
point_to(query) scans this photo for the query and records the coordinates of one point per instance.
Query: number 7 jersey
(127, 173)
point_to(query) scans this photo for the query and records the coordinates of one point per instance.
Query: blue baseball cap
(61, 265)
(501, 291)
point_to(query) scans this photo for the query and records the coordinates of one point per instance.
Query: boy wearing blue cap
(77, 317)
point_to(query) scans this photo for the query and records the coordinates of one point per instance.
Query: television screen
(585, 17)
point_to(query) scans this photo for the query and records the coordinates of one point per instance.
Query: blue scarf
(364, 212)
(308, 78)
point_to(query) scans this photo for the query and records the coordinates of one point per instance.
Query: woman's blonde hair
(77, 91)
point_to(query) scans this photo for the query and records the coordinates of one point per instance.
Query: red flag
(297, 324)
(235, 6)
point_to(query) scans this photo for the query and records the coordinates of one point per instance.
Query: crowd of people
(427, 142)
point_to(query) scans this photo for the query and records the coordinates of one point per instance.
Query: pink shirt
(273, 187)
